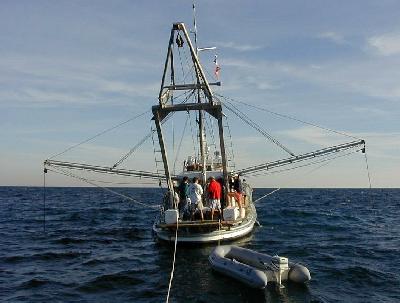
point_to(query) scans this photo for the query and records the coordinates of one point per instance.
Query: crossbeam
(303, 157)
(190, 86)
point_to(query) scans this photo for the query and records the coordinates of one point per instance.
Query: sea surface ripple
(96, 247)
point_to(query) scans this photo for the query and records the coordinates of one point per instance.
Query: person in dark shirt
(183, 196)
(237, 186)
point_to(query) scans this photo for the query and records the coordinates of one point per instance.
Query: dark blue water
(99, 248)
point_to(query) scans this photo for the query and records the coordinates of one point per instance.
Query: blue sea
(97, 247)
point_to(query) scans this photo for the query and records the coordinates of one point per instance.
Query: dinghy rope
(173, 263)
(270, 193)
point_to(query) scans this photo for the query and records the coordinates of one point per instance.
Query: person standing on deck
(214, 194)
(238, 188)
(184, 196)
(246, 192)
(195, 194)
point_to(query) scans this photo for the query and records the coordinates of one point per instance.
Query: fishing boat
(192, 95)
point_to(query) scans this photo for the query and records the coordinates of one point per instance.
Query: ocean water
(97, 247)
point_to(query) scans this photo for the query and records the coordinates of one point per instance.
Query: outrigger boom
(105, 169)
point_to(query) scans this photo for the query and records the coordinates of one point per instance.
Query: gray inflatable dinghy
(255, 269)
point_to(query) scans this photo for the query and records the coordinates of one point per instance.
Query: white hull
(235, 232)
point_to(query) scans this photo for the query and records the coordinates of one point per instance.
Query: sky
(71, 69)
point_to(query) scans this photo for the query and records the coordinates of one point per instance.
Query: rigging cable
(210, 126)
(69, 174)
(180, 142)
(150, 134)
(289, 117)
(191, 64)
(133, 149)
(328, 161)
(251, 123)
(180, 60)
(99, 134)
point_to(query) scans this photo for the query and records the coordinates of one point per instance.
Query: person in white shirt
(195, 195)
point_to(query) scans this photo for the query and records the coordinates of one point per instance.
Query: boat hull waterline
(234, 232)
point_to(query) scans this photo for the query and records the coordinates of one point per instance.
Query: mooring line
(173, 263)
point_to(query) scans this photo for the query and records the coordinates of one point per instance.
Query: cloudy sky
(71, 69)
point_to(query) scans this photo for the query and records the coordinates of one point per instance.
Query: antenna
(195, 26)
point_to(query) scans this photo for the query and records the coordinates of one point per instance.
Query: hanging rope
(193, 135)
(180, 60)
(367, 166)
(173, 263)
(44, 198)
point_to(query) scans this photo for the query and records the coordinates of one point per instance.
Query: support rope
(252, 124)
(288, 117)
(99, 134)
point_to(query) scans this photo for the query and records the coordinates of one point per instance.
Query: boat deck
(205, 223)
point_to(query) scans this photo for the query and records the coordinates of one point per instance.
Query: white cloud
(238, 47)
(387, 44)
(52, 81)
(333, 37)
(315, 136)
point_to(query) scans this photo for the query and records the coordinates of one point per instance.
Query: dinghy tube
(255, 269)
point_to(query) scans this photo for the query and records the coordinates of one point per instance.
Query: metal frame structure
(209, 105)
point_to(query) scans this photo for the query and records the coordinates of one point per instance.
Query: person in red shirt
(214, 195)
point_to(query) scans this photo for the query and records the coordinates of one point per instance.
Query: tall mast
(201, 116)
